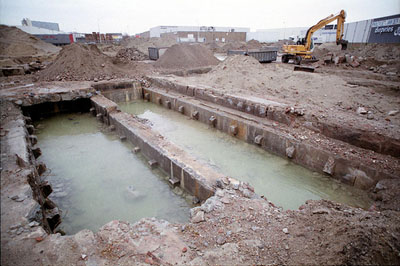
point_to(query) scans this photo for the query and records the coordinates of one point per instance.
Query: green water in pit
(284, 183)
(96, 178)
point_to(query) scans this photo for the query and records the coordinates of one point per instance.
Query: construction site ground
(232, 227)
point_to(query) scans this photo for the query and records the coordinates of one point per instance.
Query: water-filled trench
(284, 183)
(96, 178)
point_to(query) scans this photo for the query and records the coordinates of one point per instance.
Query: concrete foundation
(197, 179)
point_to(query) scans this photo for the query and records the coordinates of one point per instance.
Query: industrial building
(200, 33)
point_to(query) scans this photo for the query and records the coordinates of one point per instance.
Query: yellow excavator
(302, 50)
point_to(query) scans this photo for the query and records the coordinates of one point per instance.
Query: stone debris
(290, 152)
(130, 54)
(361, 111)
(199, 217)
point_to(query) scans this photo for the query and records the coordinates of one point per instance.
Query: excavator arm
(341, 17)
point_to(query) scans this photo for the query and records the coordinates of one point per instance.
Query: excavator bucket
(344, 44)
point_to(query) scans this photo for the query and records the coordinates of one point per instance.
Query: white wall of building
(273, 35)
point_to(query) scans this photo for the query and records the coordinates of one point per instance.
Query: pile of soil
(327, 48)
(253, 44)
(233, 46)
(181, 56)
(237, 65)
(237, 45)
(109, 49)
(214, 47)
(79, 62)
(131, 54)
(17, 43)
(142, 44)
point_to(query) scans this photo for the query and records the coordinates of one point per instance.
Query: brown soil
(253, 232)
(322, 95)
(180, 56)
(17, 43)
(253, 44)
(386, 194)
(87, 62)
(142, 44)
(109, 49)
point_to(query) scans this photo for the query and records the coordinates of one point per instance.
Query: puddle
(284, 183)
(96, 178)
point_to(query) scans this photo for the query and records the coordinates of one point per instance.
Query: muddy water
(284, 183)
(97, 179)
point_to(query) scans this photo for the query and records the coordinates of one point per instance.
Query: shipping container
(156, 52)
(263, 55)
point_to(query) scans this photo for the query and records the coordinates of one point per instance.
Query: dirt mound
(142, 44)
(17, 43)
(79, 62)
(253, 44)
(131, 54)
(237, 72)
(235, 45)
(237, 64)
(181, 56)
(327, 48)
(215, 47)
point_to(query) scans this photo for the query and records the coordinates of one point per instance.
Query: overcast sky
(133, 16)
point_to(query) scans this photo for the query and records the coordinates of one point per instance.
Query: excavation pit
(230, 216)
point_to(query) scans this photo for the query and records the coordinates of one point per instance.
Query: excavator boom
(341, 17)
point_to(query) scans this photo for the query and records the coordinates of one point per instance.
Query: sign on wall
(385, 30)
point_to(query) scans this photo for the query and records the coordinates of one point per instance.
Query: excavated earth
(234, 226)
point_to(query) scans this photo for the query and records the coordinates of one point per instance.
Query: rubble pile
(80, 62)
(131, 54)
(380, 58)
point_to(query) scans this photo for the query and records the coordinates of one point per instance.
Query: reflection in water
(96, 179)
(284, 183)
